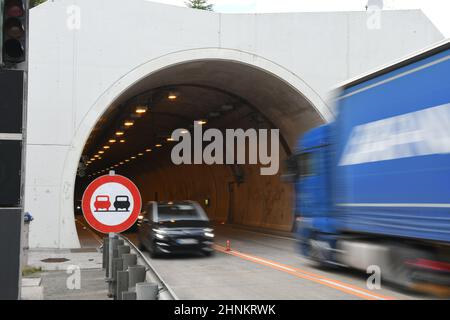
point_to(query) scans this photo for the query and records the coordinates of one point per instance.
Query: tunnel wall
(257, 201)
(76, 74)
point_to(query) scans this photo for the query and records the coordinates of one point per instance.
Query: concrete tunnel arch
(129, 84)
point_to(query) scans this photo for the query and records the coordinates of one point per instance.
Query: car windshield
(122, 198)
(167, 212)
(102, 198)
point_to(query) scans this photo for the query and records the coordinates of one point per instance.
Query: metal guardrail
(165, 292)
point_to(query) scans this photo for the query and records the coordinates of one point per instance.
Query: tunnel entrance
(132, 137)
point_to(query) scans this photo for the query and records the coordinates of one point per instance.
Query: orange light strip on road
(338, 285)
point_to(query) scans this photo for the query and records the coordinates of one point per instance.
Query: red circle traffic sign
(111, 203)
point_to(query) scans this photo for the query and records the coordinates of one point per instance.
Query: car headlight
(208, 232)
(160, 234)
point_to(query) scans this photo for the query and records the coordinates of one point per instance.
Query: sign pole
(111, 235)
(111, 204)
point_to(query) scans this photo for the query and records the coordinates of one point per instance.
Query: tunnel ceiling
(225, 94)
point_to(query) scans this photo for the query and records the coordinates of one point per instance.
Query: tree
(199, 4)
(34, 3)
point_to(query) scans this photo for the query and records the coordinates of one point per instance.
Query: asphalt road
(262, 266)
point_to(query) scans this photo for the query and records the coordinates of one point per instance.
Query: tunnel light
(106, 147)
(112, 141)
(201, 122)
(148, 150)
(184, 131)
(133, 157)
(158, 145)
(128, 123)
(127, 160)
(122, 141)
(122, 162)
(120, 133)
(172, 95)
(170, 139)
(140, 154)
(101, 152)
(100, 158)
(141, 110)
(96, 156)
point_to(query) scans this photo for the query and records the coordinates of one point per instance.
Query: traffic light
(14, 32)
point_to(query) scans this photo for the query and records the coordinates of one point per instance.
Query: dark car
(175, 227)
(122, 202)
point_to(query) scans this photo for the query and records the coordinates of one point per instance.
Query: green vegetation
(34, 3)
(199, 4)
(28, 271)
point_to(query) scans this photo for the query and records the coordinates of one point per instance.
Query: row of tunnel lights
(120, 133)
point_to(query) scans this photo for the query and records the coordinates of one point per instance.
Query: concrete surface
(59, 280)
(82, 71)
(93, 286)
(225, 276)
(32, 289)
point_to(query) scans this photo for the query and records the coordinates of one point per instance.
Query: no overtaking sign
(111, 203)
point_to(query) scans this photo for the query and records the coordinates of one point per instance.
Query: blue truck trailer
(373, 187)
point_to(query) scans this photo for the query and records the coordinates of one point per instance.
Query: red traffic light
(14, 8)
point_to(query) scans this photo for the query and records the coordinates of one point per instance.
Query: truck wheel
(401, 273)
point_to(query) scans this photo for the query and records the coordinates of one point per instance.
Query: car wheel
(208, 253)
(153, 253)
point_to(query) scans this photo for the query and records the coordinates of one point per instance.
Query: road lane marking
(338, 285)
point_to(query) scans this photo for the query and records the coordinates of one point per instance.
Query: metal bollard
(146, 291)
(121, 250)
(129, 259)
(113, 243)
(105, 251)
(117, 266)
(122, 284)
(128, 295)
(137, 274)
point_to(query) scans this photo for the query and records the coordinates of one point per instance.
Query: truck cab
(315, 226)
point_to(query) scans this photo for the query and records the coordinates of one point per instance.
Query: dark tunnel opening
(133, 138)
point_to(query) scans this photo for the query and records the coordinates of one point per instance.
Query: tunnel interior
(132, 137)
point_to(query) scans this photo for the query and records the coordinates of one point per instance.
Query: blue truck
(373, 187)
